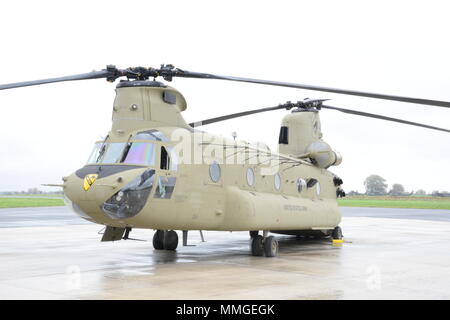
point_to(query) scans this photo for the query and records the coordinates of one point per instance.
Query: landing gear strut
(264, 245)
(165, 239)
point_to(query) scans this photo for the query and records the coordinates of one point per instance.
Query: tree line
(30, 191)
(376, 186)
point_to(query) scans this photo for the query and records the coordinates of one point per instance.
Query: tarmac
(50, 253)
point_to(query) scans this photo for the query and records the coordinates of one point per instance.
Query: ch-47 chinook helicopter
(140, 177)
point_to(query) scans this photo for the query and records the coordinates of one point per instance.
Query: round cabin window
(277, 181)
(250, 177)
(301, 184)
(214, 171)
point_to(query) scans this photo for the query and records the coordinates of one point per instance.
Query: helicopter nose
(87, 190)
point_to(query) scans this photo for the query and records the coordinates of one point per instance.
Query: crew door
(167, 177)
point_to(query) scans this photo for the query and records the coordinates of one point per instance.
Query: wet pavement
(38, 216)
(398, 213)
(53, 216)
(50, 253)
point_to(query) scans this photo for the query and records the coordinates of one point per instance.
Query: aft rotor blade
(234, 115)
(290, 105)
(189, 74)
(377, 116)
(82, 76)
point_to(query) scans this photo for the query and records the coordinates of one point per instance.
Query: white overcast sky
(395, 47)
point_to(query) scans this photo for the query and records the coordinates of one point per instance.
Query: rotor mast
(146, 104)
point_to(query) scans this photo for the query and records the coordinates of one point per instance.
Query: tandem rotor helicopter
(155, 171)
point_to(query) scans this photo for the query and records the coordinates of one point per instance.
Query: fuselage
(229, 191)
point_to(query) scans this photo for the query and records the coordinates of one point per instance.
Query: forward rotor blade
(234, 115)
(111, 73)
(377, 116)
(189, 74)
(82, 76)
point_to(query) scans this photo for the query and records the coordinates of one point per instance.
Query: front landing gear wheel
(271, 246)
(158, 240)
(337, 233)
(170, 240)
(257, 246)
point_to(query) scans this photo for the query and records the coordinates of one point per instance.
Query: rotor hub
(140, 83)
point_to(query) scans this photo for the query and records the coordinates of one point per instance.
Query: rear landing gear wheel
(337, 233)
(170, 240)
(271, 246)
(257, 246)
(158, 240)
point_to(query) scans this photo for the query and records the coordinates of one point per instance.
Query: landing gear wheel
(271, 246)
(257, 246)
(170, 240)
(337, 233)
(253, 234)
(158, 240)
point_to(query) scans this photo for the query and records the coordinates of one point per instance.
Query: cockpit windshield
(133, 152)
(113, 153)
(141, 153)
(107, 153)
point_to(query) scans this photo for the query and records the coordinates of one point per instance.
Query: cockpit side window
(165, 188)
(284, 135)
(165, 159)
(113, 153)
(95, 153)
(168, 159)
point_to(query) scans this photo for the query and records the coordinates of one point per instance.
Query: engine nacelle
(322, 155)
